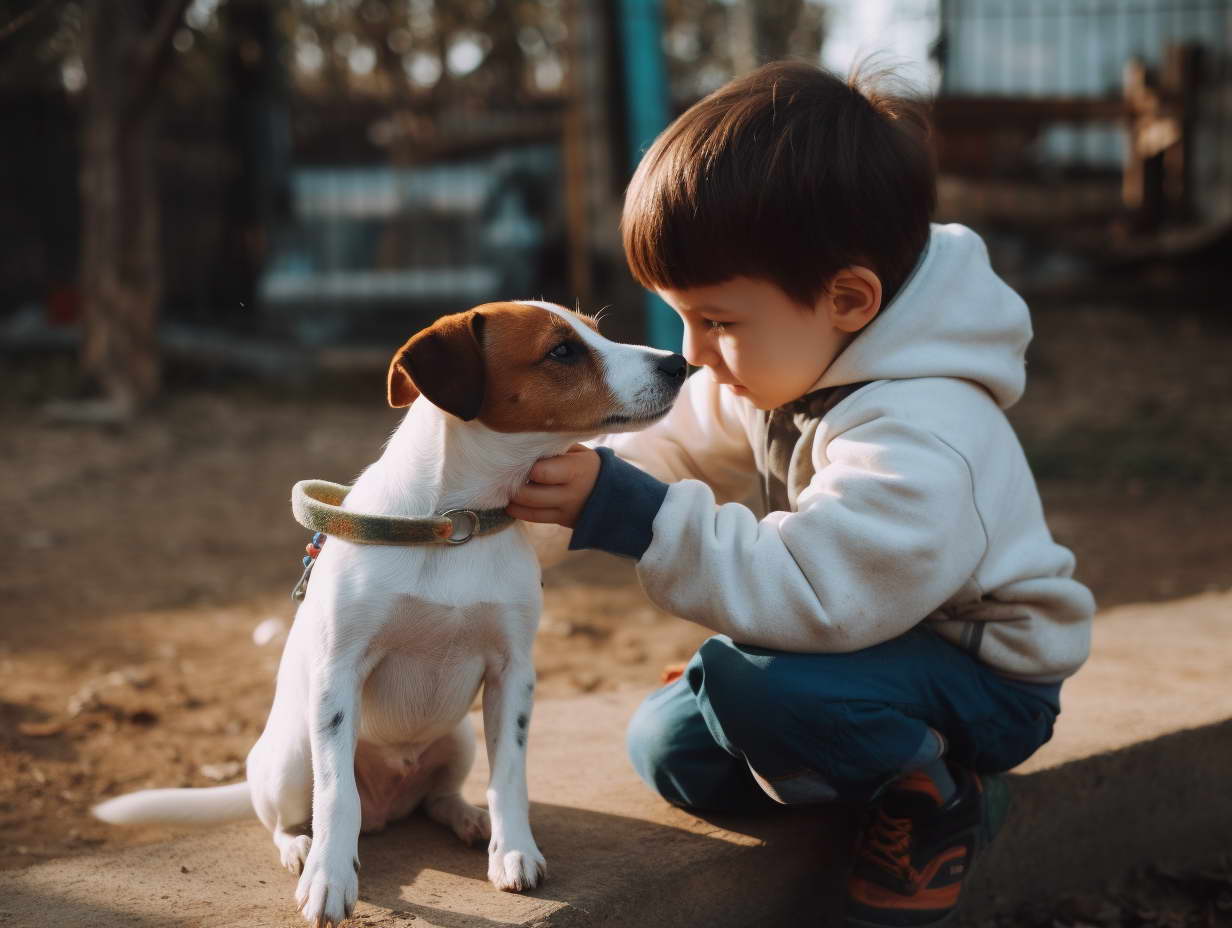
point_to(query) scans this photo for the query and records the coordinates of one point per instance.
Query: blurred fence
(345, 172)
(424, 240)
(1109, 121)
(324, 171)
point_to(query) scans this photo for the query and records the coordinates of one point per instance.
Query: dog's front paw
(514, 870)
(327, 889)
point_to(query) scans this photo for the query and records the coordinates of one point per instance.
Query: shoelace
(888, 844)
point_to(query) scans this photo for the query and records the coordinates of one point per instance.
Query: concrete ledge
(1137, 770)
(1136, 773)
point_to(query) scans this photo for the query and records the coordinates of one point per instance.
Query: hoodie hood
(954, 318)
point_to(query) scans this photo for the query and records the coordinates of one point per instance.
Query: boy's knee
(721, 661)
(648, 738)
(739, 683)
(790, 714)
(672, 750)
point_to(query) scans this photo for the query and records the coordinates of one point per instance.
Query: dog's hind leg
(443, 802)
(280, 775)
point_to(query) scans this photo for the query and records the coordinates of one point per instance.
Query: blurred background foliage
(240, 182)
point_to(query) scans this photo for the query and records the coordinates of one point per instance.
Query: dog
(392, 643)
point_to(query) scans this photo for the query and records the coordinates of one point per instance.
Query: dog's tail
(179, 806)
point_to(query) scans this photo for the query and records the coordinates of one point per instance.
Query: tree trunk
(121, 261)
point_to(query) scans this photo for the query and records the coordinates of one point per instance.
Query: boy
(897, 625)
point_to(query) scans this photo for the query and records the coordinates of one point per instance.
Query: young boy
(897, 624)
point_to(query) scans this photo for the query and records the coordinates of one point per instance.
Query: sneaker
(916, 851)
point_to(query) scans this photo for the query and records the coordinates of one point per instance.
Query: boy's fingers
(534, 514)
(538, 496)
(554, 470)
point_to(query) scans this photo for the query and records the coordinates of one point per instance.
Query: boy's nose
(693, 348)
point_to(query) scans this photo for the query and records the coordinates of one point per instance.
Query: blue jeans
(745, 723)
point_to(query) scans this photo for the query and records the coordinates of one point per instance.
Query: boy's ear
(855, 298)
(444, 363)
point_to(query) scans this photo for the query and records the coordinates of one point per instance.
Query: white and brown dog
(391, 643)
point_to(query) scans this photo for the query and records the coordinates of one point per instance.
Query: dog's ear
(444, 362)
(399, 388)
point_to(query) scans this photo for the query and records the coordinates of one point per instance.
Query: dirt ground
(140, 562)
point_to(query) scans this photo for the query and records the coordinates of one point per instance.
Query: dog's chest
(429, 662)
(433, 621)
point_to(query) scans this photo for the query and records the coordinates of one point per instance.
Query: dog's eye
(561, 352)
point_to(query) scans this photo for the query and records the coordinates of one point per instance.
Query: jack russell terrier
(392, 642)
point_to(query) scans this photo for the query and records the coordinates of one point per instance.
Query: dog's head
(534, 367)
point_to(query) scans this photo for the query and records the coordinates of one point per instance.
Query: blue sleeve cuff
(620, 512)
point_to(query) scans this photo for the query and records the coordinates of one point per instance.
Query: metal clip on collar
(451, 515)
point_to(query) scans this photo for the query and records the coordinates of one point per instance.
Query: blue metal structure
(647, 97)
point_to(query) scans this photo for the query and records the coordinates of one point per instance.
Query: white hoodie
(921, 507)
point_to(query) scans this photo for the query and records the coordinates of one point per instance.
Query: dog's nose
(674, 366)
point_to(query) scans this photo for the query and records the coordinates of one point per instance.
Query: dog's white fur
(388, 650)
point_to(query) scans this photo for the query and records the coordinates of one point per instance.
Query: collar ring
(451, 515)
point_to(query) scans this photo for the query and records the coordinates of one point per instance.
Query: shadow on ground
(416, 871)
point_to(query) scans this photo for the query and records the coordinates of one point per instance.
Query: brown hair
(788, 174)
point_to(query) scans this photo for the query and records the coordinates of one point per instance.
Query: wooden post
(253, 84)
(1156, 185)
(1180, 86)
(1140, 103)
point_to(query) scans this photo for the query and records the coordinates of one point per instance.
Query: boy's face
(762, 344)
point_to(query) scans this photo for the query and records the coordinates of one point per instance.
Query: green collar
(317, 506)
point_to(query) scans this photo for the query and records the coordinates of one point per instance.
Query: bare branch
(155, 54)
(24, 19)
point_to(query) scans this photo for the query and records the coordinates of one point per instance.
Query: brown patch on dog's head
(515, 367)
(542, 376)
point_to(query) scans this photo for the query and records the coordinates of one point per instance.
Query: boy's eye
(715, 325)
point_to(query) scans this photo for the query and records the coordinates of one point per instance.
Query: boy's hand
(558, 489)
